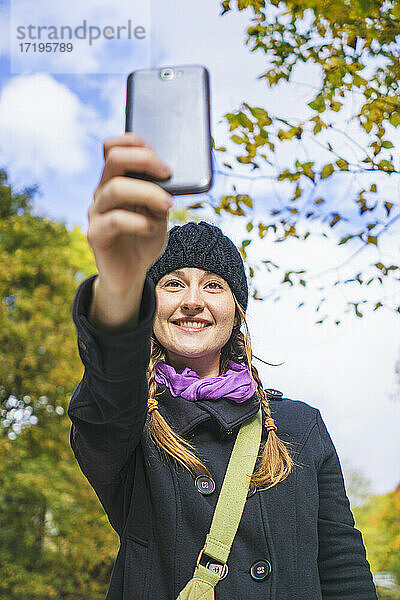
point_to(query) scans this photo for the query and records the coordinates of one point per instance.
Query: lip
(193, 329)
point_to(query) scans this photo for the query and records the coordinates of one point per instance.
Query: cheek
(164, 309)
(226, 319)
(159, 323)
(227, 311)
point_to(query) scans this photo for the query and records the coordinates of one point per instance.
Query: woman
(168, 382)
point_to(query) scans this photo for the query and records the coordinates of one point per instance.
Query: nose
(192, 299)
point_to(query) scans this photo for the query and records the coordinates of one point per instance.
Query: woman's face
(194, 318)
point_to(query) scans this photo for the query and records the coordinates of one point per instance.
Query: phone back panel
(173, 116)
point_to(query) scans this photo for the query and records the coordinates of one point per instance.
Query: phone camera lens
(167, 74)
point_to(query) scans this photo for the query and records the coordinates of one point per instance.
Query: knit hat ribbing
(204, 246)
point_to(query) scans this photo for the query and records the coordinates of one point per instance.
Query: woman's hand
(128, 220)
(128, 228)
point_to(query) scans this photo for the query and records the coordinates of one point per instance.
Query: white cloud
(44, 127)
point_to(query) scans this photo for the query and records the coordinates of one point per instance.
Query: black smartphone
(169, 108)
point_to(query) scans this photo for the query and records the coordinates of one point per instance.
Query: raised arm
(113, 313)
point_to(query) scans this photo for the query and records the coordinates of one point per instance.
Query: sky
(53, 125)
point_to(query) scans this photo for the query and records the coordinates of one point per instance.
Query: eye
(175, 284)
(171, 282)
(215, 283)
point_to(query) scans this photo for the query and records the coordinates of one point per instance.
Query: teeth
(193, 324)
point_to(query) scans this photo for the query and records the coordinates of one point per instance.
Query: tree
(353, 113)
(379, 520)
(55, 540)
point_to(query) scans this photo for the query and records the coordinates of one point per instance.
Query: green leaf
(388, 206)
(335, 218)
(307, 169)
(261, 115)
(317, 128)
(346, 239)
(368, 125)
(290, 133)
(395, 119)
(245, 121)
(359, 81)
(327, 171)
(358, 313)
(245, 199)
(237, 139)
(318, 104)
(342, 164)
(287, 279)
(225, 6)
(387, 144)
(386, 165)
(297, 193)
(366, 6)
(336, 106)
(233, 120)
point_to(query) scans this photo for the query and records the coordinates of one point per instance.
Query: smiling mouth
(191, 325)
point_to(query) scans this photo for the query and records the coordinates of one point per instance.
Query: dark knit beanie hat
(204, 246)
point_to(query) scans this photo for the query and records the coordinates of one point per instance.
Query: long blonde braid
(164, 437)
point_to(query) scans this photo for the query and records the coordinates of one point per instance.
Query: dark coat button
(222, 570)
(205, 484)
(260, 570)
(252, 491)
(273, 394)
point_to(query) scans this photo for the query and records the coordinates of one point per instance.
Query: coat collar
(183, 415)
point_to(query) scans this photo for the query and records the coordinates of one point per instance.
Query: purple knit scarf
(236, 384)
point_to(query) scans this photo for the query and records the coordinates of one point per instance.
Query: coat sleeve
(109, 405)
(343, 567)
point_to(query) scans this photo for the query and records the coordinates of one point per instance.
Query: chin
(190, 352)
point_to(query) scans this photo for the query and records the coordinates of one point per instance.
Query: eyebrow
(182, 274)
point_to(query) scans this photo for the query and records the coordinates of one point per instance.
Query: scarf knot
(236, 384)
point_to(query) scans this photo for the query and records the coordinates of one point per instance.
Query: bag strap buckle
(199, 557)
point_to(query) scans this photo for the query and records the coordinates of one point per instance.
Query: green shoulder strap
(228, 511)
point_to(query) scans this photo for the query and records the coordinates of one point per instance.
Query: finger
(139, 159)
(123, 192)
(128, 139)
(118, 222)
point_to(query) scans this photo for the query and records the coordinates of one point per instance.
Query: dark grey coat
(303, 526)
